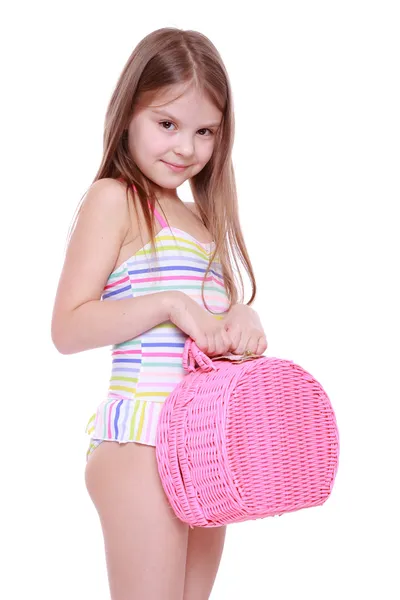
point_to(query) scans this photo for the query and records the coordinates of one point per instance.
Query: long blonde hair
(167, 57)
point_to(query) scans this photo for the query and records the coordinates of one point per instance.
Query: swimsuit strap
(159, 218)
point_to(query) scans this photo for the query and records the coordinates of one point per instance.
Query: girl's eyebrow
(161, 112)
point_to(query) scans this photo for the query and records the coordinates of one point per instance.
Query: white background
(316, 156)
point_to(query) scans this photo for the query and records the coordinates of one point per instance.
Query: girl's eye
(162, 123)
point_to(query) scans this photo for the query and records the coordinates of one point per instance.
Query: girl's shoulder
(105, 205)
(107, 195)
(109, 187)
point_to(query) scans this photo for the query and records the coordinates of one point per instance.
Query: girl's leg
(204, 553)
(145, 543)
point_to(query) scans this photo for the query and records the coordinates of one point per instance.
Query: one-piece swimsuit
(147, 368)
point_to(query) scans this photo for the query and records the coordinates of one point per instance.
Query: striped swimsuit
(146, 368)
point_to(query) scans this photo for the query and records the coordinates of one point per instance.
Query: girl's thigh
(145, 543)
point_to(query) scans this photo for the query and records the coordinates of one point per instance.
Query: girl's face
(181, 132)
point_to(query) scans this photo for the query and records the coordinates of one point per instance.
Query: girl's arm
(81, 320)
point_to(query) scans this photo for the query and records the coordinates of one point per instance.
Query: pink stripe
(109, 419)
(218, 282)
(156, 374)
(115, 352)
(161, 384)
(111, 285)
(173, 278)
(149, 423)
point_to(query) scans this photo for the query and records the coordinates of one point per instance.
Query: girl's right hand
(207, 331)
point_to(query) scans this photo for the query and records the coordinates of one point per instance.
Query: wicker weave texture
(243, 441)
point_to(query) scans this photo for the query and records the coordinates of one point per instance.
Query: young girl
(170, 119)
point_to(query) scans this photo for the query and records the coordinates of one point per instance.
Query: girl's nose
(185, 147)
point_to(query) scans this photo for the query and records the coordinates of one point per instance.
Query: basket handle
(193, 354)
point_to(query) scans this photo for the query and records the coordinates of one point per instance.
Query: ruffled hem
(94, 442)
(125, 420)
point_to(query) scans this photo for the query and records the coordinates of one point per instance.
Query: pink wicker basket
(238, 441)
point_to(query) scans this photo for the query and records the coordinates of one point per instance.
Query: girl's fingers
(225, 341)
(212, 345)
(242, 345)
(256, 344)
(243, 339)
(222, 342)
(234, 337)
(219, 342)
(262, 345)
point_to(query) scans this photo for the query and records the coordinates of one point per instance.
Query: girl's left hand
(243, 325)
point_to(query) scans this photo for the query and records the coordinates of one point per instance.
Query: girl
(170, 119)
